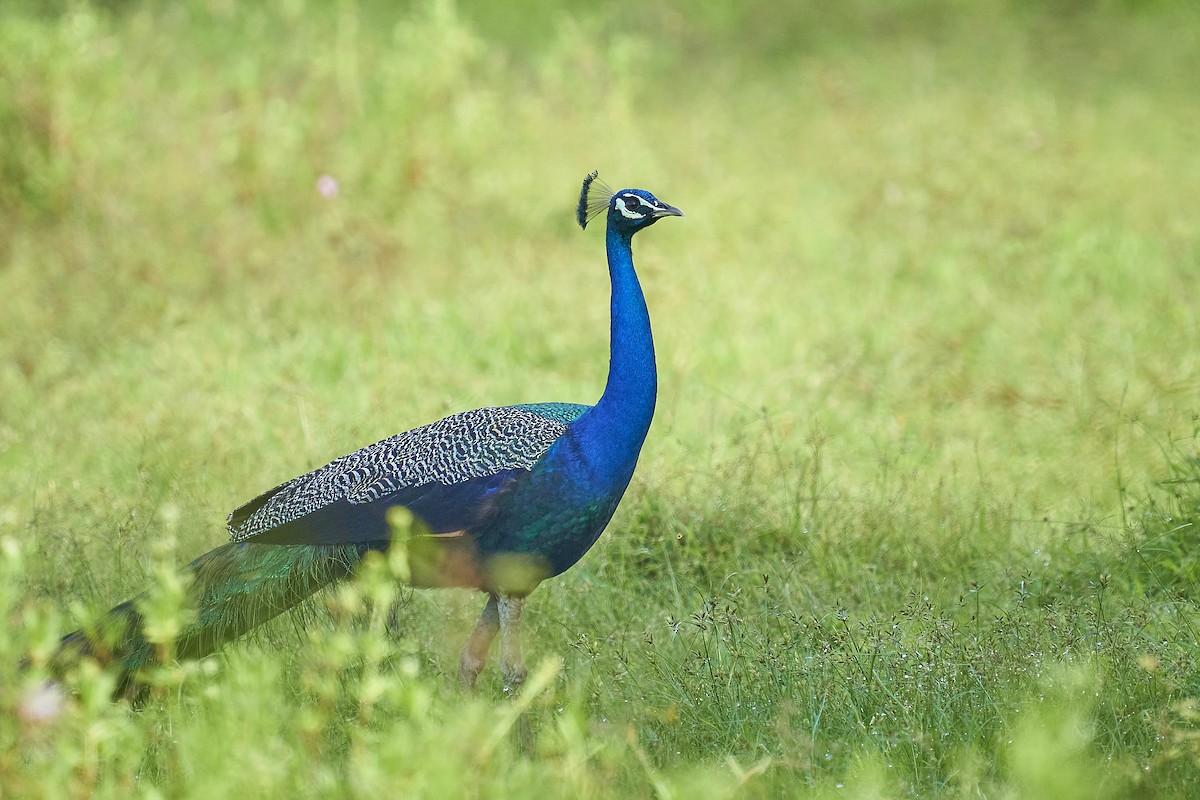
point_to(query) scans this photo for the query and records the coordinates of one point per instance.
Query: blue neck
(617, 425)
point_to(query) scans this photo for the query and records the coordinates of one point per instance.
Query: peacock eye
(632, 201)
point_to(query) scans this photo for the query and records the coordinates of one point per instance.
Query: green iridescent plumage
(232, 590)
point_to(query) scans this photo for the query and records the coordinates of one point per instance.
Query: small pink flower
(327, 186)
(41, 705)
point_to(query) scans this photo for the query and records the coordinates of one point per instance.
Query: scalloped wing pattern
(460, 447)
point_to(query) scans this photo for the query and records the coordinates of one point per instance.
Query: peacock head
(629, 210)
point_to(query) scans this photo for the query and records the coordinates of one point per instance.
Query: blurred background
(954, 233)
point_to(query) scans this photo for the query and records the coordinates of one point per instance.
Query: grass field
(917, 515)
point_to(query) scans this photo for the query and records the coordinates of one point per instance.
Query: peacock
(504, 497)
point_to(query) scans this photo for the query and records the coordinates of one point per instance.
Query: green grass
(917, 515)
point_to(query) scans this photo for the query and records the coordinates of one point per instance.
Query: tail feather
(234, 589)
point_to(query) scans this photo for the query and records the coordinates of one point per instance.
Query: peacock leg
(512, 661)
(474, 652)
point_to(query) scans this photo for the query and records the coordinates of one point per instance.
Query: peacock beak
(666, 210)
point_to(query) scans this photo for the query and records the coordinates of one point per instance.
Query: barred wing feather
(444, 472)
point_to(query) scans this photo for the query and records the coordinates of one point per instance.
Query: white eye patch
(620, 203)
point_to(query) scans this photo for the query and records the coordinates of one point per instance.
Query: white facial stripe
(654, 204)
(620, 203)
